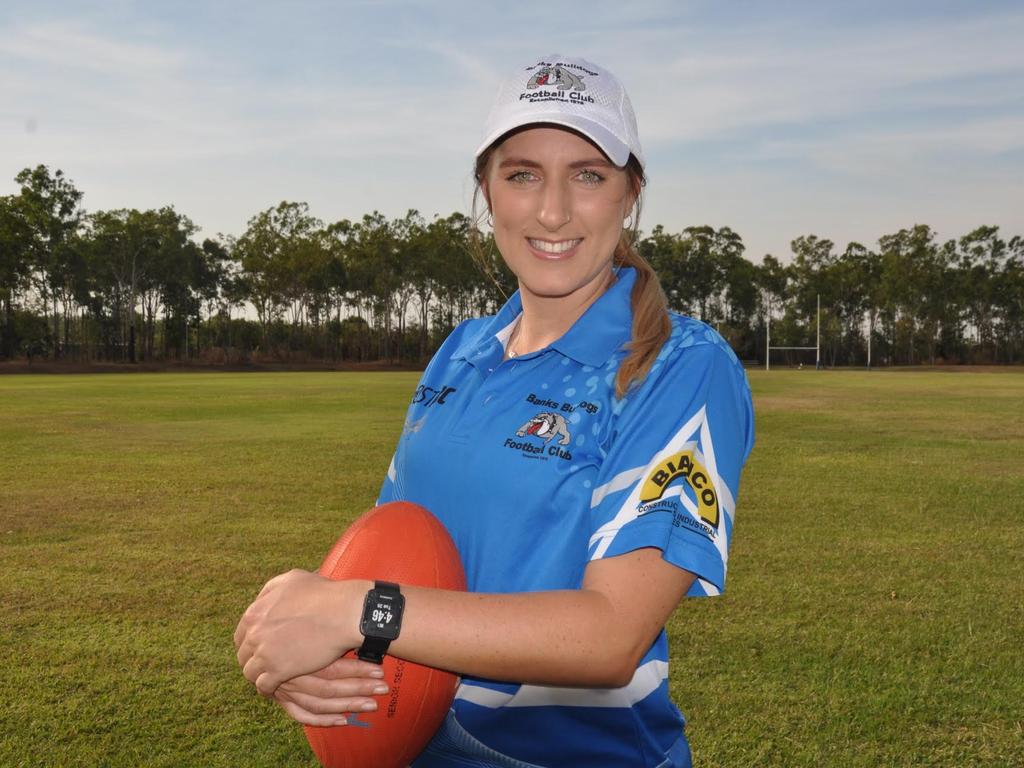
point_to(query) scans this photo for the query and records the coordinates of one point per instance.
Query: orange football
(404, 543)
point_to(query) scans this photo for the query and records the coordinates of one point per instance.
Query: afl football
(404, 543)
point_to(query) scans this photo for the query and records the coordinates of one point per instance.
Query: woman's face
(557, 205)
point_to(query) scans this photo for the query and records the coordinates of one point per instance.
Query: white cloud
(881, 107)
(72, 47)
(776, 76)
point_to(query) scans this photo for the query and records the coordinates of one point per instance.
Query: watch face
(382, 615)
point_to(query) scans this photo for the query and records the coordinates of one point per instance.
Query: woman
(583, 447)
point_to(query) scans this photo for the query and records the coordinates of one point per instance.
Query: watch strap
(373, 649)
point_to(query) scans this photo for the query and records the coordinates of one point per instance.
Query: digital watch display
(381, 621)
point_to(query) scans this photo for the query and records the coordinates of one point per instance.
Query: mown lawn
(874, 614)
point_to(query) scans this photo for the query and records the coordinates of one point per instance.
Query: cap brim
(616, 149)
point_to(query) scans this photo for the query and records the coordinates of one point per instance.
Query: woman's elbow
(620, 667)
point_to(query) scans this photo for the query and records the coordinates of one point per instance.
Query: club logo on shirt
(546, 425)
(686, 464)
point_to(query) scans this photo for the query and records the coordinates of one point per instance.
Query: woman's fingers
(321, 688)
(305, 717)
(313, 700)
(335, 706)
(350, 667)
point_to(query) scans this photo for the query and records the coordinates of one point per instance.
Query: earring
(627, 222)
(490, 219)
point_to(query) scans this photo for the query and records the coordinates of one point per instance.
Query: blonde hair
(651, 324)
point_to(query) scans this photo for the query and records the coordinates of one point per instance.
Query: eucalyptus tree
(701, 259)
(220, 267)
(268, 251)
(982, 254)
(422, 275)
(773, 279)
(837, 281)
(15, 267)
(411, 243)
(322, 272)
(740, 304)
(50, 206)
(901, 256)
(182, 274)
(659, 248)
(335, 238)
(1009, 300)
(374, 266)
(121, 248)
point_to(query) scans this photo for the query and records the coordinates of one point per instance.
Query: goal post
(769, 347)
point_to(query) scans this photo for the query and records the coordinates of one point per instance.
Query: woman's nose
(555, 207)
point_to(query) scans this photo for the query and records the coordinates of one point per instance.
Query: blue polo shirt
(536, 468)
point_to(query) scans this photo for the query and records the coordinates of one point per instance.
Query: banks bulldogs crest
(546, 425)
(556, 76)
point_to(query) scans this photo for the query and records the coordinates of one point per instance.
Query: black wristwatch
(381, 621)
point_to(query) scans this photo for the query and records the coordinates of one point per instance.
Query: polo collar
(593, 338)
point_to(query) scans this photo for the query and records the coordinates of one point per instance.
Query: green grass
(873, 615)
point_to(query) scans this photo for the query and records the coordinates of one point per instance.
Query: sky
(847, 120)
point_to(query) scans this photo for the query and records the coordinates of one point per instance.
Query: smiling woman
(585, 458)
(557, 211)
(557, 208)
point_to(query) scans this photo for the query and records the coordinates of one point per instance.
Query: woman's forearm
(591, 637)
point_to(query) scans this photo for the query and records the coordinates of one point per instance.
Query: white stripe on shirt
(647, 678)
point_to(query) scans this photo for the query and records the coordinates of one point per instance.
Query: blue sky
(847, 120)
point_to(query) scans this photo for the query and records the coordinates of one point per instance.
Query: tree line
(130, 285)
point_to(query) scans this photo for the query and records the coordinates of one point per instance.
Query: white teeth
(561, 247)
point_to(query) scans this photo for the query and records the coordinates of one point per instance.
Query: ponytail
(651, 324)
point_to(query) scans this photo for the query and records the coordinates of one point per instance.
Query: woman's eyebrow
(520, 161)
(524, 163)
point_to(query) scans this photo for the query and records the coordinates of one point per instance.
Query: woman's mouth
(560, 248)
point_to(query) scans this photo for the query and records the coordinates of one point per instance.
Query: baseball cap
(568, 91)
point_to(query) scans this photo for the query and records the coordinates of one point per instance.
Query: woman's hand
(299, 623)
(324, 698)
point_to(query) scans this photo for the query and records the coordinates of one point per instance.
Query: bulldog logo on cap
(556, 76)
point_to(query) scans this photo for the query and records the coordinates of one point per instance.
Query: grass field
(874, 614)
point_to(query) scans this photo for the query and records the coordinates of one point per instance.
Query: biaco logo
(688, 465)
(546, 425)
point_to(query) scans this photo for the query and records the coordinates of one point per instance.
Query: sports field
(874, 614)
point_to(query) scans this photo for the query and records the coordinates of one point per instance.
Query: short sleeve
(670, 478)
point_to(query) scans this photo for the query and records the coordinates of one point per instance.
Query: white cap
(572, 92)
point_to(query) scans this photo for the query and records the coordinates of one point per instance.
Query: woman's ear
(485, 190)
(633, 193)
